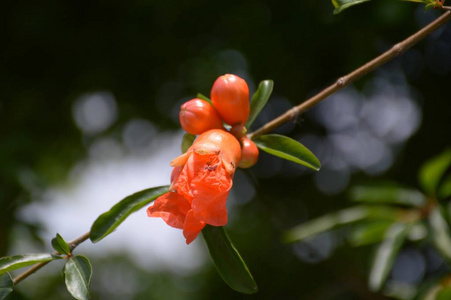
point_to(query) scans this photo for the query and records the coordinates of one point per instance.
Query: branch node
(398, 48)
(342, 81)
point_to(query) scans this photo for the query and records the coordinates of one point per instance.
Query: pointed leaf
(289, 149)
(228, 261)
(370, 232)
(386, 254)
(259, 100)
(6, 285)
(440, 232)
(433, 170)
(187, 141)
(205, 98)
(341, 218)
(108, 221)
(77, 275)
(60, 245)
(10, 263)
(341, 5)
(388, 194)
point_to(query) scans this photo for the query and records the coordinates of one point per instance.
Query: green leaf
(60, 245)
(228, 261)
(388, 194)
(108, 221)
(386, 254)
(341, 5)
(205, 98)
(77, 275)
(6, 285)
(259, 100)
(10, 263)
(341, 218)
(440, 232)
(187, 141)
(444, 294)
(370, 232)
(289, 149)
(444, 190)
(432, 172)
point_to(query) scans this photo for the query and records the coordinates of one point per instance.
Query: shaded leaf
(432, 172)
(187, 141)
(386, 254)
(6, 285)
(60, 245)
(388, 194)
(10, 263)
(341, 218)
(77, 276)
(228, 261)
(287, 148)
(110, 220)
(341, 5)
(440, 232)
(444, 190)
(370, 232)
(259, 100)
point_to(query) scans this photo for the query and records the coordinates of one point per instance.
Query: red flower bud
(230, 97)
(197, 116)
(249, 154)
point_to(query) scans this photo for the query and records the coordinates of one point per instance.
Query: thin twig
(72, 245)
(353, 76)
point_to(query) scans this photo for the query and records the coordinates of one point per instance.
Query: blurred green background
(76, 77)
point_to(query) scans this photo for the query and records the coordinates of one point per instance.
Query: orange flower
(201, 181)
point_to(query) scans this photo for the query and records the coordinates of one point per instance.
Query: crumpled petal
(192, 227)
(172, 208)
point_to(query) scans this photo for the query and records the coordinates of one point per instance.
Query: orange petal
(192, 227)
(172, 208)
(181, 160)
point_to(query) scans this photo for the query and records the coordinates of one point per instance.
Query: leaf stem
(72, 245)
(344, 81)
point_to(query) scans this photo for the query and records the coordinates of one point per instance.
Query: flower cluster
(202, 177)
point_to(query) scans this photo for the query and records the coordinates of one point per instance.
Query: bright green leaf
(369, 232)
(187, 141)
(440, 232)
(386, 254)
(60, 245)
(259, 100)
(10, 263)
(341, 5)
(205, 98)
(110, 220)
(432, 172)
(77, 275)
(228, 261)
(6, 285)
(444, 294)
(289, 149)
(388, 194)
(340, 218)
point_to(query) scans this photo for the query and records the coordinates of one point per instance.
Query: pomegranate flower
(200, 183)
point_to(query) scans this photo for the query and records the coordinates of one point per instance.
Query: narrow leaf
(341, 218)
(444, 190)
(289, 149)
(187, 141)
(228, 261)
(203, 97)
(10, 263)
(77, 275)
(6, 285)
(110, 220)
(341, 5)
(388, 194)
(370, 232)
(386, 254)
(259, 100)
(432, 172)
(60, 245)
(440, 232)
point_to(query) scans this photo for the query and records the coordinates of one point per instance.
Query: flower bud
(238, 131)
(230, 97)
(197, 116)
(249, 154)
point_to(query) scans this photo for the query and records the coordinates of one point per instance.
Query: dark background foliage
(152, 54)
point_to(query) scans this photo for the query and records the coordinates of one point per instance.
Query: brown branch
(342, 82)
(72, 245)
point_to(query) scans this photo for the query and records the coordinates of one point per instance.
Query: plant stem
(72, 245)
(342, 82)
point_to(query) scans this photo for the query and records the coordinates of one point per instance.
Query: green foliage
(187, 141)
(388, 194)
(289, 149)
(432, 172)
(341, 5)
(77, 276)
(228, 261)
(205, 98)
(369, 232)
(60, 245)
(10, 263)
(6, 285)
(110, 220)
(259, 100)
(444, 294)
(440, 231)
